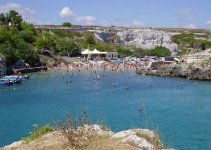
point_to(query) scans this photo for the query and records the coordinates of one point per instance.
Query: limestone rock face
(140, 38)
(138, 138)
(147, 38)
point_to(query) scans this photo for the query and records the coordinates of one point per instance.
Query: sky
(138, 13)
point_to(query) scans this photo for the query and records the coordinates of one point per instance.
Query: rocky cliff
(133, 139)
(141, 38)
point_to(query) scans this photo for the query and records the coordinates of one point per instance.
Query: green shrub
(26, 52)
(90, 40)
(27, 36)
(66, 24)
(187, 40)
(10, 53)
(159, 51)
(123, 52)
(65, 47)
(38, 132)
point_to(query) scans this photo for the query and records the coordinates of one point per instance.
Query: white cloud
(209, 22)
(66, 12)
(185, 11)
(137, 23)
(86, 19)
(191, 26)
(24, 11)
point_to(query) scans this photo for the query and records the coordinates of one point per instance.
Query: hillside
(24, 44)
(145, 38)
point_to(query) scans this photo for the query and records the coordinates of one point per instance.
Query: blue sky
(149, 13)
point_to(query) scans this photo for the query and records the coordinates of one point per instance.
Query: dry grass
(76, 132)
(56, 142)
(109, 144)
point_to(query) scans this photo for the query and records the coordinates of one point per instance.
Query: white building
(112, 55)
(95, 54)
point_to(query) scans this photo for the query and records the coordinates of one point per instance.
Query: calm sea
(179, 109)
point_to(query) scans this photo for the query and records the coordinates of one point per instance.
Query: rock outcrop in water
(180, 70)
(133, 139)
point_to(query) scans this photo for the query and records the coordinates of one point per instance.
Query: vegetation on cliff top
(38, 132)
(189, 41)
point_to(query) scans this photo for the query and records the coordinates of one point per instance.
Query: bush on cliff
(37, 132)
(190, 41)
(159, 51)
(66, 47)
(9, 52)
(90, 40)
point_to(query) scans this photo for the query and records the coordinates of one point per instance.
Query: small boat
(9, 80)
(5, 81)
(15, 78)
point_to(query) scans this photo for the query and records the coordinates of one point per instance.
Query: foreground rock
(134, 139)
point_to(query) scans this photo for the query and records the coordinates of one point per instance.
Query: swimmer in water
(141, 109)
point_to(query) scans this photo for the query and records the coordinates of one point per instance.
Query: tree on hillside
(8, 50)
(27, 53)
(42, 44)
(159, 51)
(90, 40)
(15, 19)
(11, 19)
(28, 27)
(66, 48)
(5, 35)
(47, 41)
(123, 52)
(66, 24)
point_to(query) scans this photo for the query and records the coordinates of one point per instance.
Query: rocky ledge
(133, 139)
(180, 70)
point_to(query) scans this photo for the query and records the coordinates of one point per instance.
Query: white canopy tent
(86, 52)
(95, 51)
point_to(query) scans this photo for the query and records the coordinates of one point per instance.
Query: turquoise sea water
(180, 109)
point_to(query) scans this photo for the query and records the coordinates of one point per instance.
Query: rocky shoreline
(132, 139)
(180, 70)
